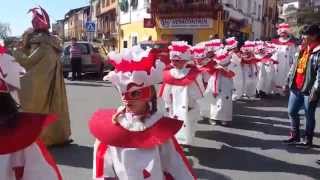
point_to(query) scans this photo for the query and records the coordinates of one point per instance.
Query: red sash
(188, 79)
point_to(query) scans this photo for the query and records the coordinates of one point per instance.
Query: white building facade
(131, 18)
(249, 12)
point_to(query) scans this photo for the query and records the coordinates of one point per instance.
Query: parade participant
(235, 66)
(220, 88)
(137, 142)
(22, 156)
(249, 68)
(199, 55)
(211, 47)
(42, 87)
(304, 84)
(182, 87)
(203, 63)
(284, 55)
(16, 70)
(266, 66)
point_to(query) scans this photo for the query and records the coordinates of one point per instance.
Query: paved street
(250, 149)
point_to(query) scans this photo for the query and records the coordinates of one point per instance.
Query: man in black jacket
(304, 84)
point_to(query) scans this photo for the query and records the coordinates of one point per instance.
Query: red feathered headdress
(40, 19)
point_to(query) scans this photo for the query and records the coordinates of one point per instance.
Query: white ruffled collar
(133, 123)
(283, 40)
(179, 73)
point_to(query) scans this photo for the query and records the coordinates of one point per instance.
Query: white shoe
(213, 122)
(224, 123)
(235, 98)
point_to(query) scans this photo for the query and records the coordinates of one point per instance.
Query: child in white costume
(203, 62)
(182, 87)
(249, 68)
(266, 64)
(220, 88)
(284, 54)
(137, 142)
(22, 156)
(236, 67)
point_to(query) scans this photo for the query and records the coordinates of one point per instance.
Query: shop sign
(193, 23)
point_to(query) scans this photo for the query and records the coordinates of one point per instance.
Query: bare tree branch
(4, 30)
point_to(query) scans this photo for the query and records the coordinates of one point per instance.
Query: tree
(4, 30)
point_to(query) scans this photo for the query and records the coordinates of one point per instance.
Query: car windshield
(85, 50)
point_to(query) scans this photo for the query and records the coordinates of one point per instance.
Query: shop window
(134, 40)
(125, 44)
(249, 7)
(259, 12)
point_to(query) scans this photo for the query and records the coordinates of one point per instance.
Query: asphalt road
(249, 149)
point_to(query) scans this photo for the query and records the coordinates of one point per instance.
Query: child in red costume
(137, 142)
(22, 156)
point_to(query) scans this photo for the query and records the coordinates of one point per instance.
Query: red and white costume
(11, 71)
(236, 67)
(284, 55)
(266, 64)
(220, 88)
(199, 53)
(134, 149)
(25, 158)
(22, 156)
(180, 91)
(249, 68)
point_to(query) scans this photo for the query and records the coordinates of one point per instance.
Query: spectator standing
(76, 61)
(304, 84)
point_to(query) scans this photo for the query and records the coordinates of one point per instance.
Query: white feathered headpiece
(199, 51)
(231, 43)
(180, 50)
(213, 45)
(135, 68)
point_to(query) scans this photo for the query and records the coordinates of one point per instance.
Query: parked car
(160, 47)
(92, 60)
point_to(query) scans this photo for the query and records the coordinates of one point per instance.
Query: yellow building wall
(199, 35)
(135, 29)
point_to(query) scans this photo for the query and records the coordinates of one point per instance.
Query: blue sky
(14, 12)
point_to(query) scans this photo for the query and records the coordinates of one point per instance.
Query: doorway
(178, 37)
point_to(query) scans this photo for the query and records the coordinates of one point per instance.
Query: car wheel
(101, 71)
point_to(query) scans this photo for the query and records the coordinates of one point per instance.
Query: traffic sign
(90, 26)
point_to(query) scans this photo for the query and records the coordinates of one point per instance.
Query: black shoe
(292, 141)
(318, 162)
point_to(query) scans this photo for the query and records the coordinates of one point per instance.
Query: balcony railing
(195, 7)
